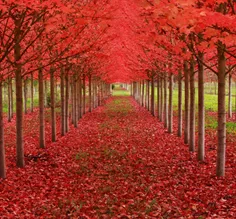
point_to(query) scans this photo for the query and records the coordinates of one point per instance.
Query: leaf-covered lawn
(119, 163)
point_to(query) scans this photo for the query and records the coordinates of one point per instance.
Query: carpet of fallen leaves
(119, 163)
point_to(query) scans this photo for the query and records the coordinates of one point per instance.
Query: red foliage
(119, 162)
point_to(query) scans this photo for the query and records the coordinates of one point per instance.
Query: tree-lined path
(68, 149)
(119, 163)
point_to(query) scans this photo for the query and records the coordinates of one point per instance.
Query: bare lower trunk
(192, 109)
(170, 111)
(9, 99)
(46, 93)
(2, 149)
(161, 100)
(165, 103)
(186, 103)
(201, 111)
(230, 97)
(84, 95)
(53, 113)
(90, 93)
(72, 100)
(12, 99)
(80, 98)
(62, 101)
(152, 97)
(41, 110)
(148, 95)
(180, 115)
(32, 93)
(143, 93)
(76, 107)
(19, 99)
(67, 103)
(220, 166)
(25, 95)
(158, 97)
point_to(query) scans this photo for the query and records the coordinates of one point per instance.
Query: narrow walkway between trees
(119, 163)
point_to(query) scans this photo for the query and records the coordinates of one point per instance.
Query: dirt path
(119, 163)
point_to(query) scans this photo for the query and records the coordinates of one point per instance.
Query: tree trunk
(46, 93)
(84, 95)
(12, 99)
(25, 95)
(53, 112)
(32, 93)
(186, 103)
(220, 166)
(9, 99)
(201, 110)
(148, 95)
(62, 101)
(76, 106)
(19, 99)
(143, 93)
(67, 103)
(170, 111)
(72, 100)
(41, 110)
(152, 97)
(158, 97)
(80, 98)
(165, 103)
(192, 108)
(230, 97)
(2, 149)
(161, 100)
(180, 116)
(90, 93)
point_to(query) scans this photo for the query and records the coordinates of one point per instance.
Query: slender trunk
(32, 93)
(72, 100)
(19, 99)
(53, 112)
(165, 103)
(192, 108)
(41, 110)
(9, 99)
(161, 100)
(46, 93)
(84, 95)
(4, 92)
(67, 103)
(2, 149)
(80, 99)
(158, 97)
(180, 116)
(142, 93)
(25, 95)
(220, 166)
(90, 93)
(170, 111)
(12, 99)
(230, 97)
(152, 97)
(186, 103)
(201, 110)
(62, 101)
(76, 107)
(148, 95)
